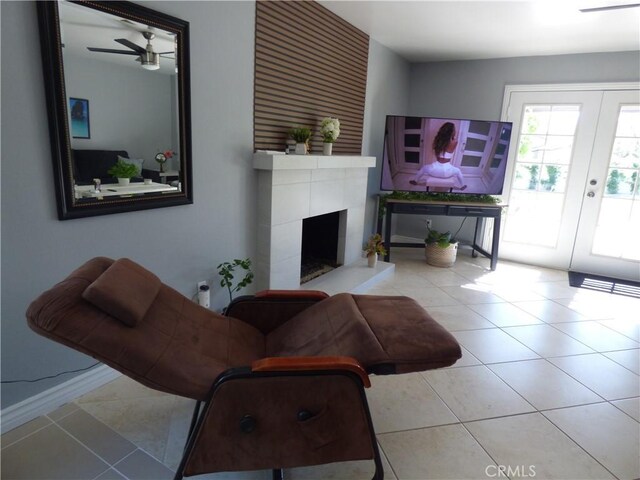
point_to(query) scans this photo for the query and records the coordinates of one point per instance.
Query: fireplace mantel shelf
(270, 161)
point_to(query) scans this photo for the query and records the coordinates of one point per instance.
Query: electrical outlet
(428, 223)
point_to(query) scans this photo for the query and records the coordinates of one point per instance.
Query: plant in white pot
(123, 171)
(440, 249)
(301, 136)
(330, 130)
(373, 248)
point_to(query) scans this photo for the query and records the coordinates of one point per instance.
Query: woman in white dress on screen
(444, 145)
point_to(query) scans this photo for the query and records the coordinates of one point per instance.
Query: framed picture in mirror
(79, 113)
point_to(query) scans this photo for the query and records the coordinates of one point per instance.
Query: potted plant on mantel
(373, 248)
(330, 130)
(123, 171)
(301, 135)
(440, 249)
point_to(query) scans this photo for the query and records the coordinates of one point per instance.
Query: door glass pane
(470, 161)
(544, 154)
(618, 230)
(412, 140)
(480, 128)
(475, 144)
(412, 123)
(411, 157)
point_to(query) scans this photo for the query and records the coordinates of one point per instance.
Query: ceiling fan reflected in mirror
(149, 59)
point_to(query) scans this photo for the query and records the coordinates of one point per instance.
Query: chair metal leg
(194, 421)
(194, 418)
(379, 473)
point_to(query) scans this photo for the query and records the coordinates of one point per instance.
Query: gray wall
(474, 89)
(188, 241)
(387, 94)
(130, 108)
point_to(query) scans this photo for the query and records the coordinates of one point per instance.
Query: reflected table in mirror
(113, 190)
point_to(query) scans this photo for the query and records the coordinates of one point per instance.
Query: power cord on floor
(51, 376)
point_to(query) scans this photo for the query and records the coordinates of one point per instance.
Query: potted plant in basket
(123, 171)
(330, 130)
(301, 135)
(440, 249)
(373, 248)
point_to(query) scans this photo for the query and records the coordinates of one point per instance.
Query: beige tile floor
(547, 388)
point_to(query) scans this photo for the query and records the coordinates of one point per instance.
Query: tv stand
(478, 210)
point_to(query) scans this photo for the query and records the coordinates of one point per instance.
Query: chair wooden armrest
(282, 364)
(293, 294)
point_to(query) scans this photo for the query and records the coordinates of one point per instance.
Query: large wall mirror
(117, 86)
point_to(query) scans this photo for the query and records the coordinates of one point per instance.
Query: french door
(572, 184)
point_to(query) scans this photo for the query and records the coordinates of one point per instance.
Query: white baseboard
(47, 401)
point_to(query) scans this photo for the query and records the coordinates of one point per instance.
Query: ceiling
(83, 27)
(442, 30)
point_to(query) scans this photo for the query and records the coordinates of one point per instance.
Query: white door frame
(538, 88)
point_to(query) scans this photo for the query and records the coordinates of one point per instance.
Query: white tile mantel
(294, 187)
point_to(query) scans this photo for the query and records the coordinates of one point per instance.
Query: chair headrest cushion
(125, 291)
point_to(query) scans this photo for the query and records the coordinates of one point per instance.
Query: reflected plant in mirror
(131, 64)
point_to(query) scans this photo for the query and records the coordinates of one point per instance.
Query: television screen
(424, 154)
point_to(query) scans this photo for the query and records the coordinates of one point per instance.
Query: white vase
(326, 148)
(301, 148)
(123, 182)
(372, 259)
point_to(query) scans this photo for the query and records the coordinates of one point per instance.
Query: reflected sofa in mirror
(117, 88)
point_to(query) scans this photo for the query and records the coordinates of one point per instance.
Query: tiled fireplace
(294, 187)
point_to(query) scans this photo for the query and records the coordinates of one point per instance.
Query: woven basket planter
(441, 257)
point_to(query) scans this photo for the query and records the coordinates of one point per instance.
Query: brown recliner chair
(282, 375)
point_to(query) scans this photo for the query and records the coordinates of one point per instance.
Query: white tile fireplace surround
(294, 187)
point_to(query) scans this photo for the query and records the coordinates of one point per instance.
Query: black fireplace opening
(319, 245)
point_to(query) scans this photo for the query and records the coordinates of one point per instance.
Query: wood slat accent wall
(309, 64)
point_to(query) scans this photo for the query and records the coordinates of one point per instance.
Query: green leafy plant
(613, 182)
(226, 271)
(533, 176)
(443, 240)
(300, 134)
(634, 185)
(553, 173)
(123, 170)
(375, 245)
(433, 197)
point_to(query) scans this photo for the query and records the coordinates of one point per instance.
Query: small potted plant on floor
(373, 248)
(440, 249)
(301, 135)
(123, 171)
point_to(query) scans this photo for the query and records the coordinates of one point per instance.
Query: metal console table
(478, 210)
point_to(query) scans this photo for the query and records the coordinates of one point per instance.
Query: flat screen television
(425, 154)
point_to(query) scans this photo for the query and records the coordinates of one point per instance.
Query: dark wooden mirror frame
(54, 80)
